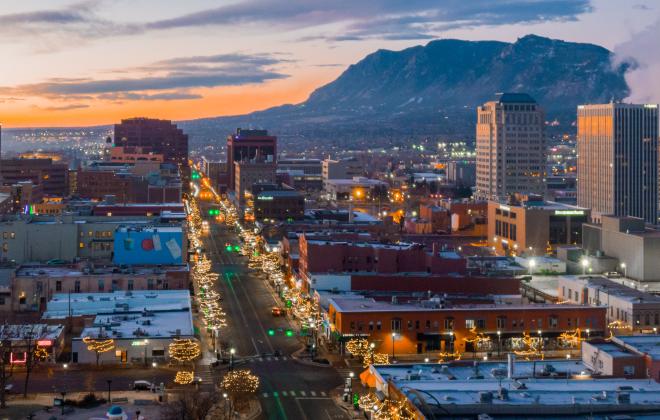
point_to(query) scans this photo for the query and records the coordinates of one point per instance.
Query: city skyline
(96, 62)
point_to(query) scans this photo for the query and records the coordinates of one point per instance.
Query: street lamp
(540, 339)
(532, 264)
(499, 343)
(232, 351)
(625, 270)
(588, 333)
(372, 346)
(63, 393)
(585, 263)
(146, 343)
(451, 341)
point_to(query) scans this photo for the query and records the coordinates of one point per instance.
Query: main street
(289, 389)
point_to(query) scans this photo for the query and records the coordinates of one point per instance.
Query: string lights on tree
(99, 345)
(184, 377)
(184, 350)
(529, 347)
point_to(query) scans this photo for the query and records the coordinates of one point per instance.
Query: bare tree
(31, 360)
(194, 405)
(5, 351)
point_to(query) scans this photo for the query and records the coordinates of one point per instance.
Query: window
(378, 325)
(81, 245)
(563, 291)
(540, 323)
(2, 300)
(469, 323)
(22, 299)
(481, 323)
(130, 284)
(577, 297)
(428, 322)
(76, 286)
(629, 370)
(352, 325)
(647, 319)
(396, 325)
(449, 323)
(553, 321)
(158, 352)
(417, 324)
(150, 284)
(501, 322)
(58, 286)
(101, 285)
(371, 325)
(410, 325)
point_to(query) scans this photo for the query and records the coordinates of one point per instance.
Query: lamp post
(540, 339)
(393, 337)
(63, 393)
(146, 343)
(585, 263)
(499, 343)
(625, 269)
(588, 333)
(532, 264)
(232, 351)
(109, 381)
(451, 341)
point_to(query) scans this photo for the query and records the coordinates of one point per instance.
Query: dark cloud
(164, 80)
(385, 19)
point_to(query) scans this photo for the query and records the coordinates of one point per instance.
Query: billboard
(148, 246)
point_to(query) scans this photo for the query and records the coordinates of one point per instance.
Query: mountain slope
(433, 89)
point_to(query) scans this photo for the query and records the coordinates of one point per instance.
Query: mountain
(434, 89)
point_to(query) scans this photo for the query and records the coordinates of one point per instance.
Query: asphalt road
(289, 389)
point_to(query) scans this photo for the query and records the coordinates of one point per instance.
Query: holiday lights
(184, 350)
(529, 347)
(387, 409)
(480, 340)
(41, 353)
(446, 356)
(240, 382)
(569, 339)
(183, 377)
(99, 345)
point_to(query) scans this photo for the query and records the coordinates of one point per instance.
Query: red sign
(45, 343)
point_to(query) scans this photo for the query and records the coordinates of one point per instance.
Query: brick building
(52, 176)
(408, 328)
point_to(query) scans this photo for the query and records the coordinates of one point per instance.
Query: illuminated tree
(358, 347)
(184, 377)
(240, 385)
(184, 349)
(99, 345)
(529, 347)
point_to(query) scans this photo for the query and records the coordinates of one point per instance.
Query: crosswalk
(267, 359)
(346, 372)
(295, 394)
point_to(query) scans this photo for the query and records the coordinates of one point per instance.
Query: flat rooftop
(649, 344)
(617, 289)
(436, 386)
(613, 350)
(67, 271)
(162, 323)
(119, 302)
(371, 305)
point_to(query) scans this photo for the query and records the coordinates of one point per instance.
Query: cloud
(166, 80)
(642, 78)
(384, 19)
(64, 107)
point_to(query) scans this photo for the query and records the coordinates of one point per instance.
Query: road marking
(284, 393)
(303, 393)
(284, 358)
(323, 394)
(265, 395)
(301, 409)
(293, 393)
(313, 393)
(261, 359)
(276, 358)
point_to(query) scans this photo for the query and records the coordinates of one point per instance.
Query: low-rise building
(33, 286)
(341, 169)
(26, 338)
(138, 325)
(429, 326)
(511, 390)
(628, 239)
(356, 189)
(279, 205)
(628, 308)
(533, 226)
(304, 174)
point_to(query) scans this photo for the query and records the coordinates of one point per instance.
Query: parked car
(141, 385)
(277, 311)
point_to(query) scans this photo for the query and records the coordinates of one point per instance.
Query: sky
(92, 62)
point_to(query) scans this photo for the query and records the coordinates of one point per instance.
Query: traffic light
(289, 333)
(214, 212)
(195, 175)
(289, 303)
(237, 248)
(229, 248)
(356, 400)
(271, 332)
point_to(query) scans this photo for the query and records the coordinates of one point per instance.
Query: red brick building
(426, 327)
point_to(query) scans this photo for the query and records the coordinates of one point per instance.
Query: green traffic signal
(289, 303)
(289, 333)
(237, 248)
(271, 332)
(229, 248)
(356, 399)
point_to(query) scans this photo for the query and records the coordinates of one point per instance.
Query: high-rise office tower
(511, 154)
(249, 146)
(157, 136)
(617, 146)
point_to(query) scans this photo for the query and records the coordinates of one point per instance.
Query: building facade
(52, 176)
(617, 146)
(510, 147)
(249, 146)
